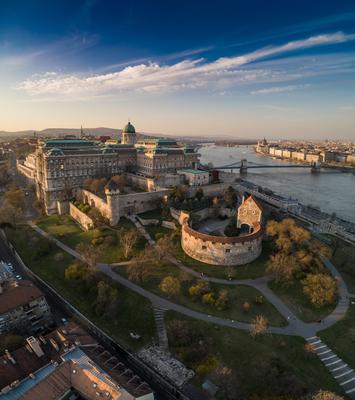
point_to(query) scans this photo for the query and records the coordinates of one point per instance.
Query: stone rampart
(222, 250)
(81, 218)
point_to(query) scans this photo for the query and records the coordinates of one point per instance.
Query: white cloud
(347, 108)
(280, 89)
(220, 74)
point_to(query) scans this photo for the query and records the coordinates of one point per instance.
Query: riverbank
(329, 191)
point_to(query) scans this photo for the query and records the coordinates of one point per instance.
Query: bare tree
(259, 326)
(163, 247)
(90, 253)
(128, 239)
(140, 269)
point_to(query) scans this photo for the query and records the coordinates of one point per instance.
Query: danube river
(331, 191)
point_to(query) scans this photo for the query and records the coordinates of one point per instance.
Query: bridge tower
(243, 166)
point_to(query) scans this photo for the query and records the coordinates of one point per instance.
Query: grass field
(296, 300)
(341, 337)
(245, 355)
(237, 295)
(51, 268)
(66, 230)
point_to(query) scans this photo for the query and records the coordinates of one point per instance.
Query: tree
(163, 247)
(230, 197)
(128, 239)
(107, 299)
(96, 216)
(199, 289)
(15, 198)
(139, 269)
(199, 194)
(228, 383)
(259, 326)
(76, 271)
(208, 298)
(90, 253)
(246, 306)
(170, 286)
(325, 395)
(222, 300)
(8, 215)
(283, 266)
(321, 289)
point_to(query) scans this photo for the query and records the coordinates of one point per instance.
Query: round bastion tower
(129, 134)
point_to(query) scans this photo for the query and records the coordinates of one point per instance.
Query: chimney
(35, 346)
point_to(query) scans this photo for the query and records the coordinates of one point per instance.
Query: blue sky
(231, 68)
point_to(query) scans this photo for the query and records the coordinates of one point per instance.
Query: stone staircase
(160, 325)
(340, 371)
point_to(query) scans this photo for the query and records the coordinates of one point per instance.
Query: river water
(330, 190)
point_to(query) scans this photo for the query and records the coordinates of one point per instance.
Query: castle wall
(122, 205)
(221, 250)
(95, 201)
(81, 218)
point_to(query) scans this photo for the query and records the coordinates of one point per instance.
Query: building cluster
(325, 152)
(23, 307)
(60, 165)
(67, 363)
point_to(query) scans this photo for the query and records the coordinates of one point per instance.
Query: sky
(242, 69)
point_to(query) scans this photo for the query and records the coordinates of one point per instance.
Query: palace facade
(61, 165)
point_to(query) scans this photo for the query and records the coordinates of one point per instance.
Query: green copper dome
(129, 128)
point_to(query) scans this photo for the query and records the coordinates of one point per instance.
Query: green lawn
(69, 232)
(344, 260)
(247, 271)
(297, 301)
(237, 295)
(249, 358)
(51, 267)
(341, 337)
(160, 230)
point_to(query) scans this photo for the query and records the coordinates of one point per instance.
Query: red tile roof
(18, 294)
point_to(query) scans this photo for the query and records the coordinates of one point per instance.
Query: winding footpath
(344, 375)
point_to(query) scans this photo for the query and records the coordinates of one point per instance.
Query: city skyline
(239, 71)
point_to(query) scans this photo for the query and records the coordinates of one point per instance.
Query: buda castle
(60, 165)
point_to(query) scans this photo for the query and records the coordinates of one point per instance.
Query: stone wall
(221, 250)
(81, 218)
(168, 224)
(122, 205)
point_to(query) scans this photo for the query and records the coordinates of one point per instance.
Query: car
(18, 277)
(64, 321)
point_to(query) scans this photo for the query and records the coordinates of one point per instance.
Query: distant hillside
(116, 133)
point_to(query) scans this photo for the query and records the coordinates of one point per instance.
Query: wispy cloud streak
(187, 74)
(280, 89)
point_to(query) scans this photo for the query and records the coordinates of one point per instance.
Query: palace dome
(129, 128)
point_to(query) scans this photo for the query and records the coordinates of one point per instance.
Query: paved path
(340, 371)
(295, 326)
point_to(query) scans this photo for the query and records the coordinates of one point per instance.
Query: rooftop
(193, 171)
(18, 294)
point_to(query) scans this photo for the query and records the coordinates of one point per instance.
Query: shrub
(208, 298)
(246, 307)
(259, 300)
(97, 241)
